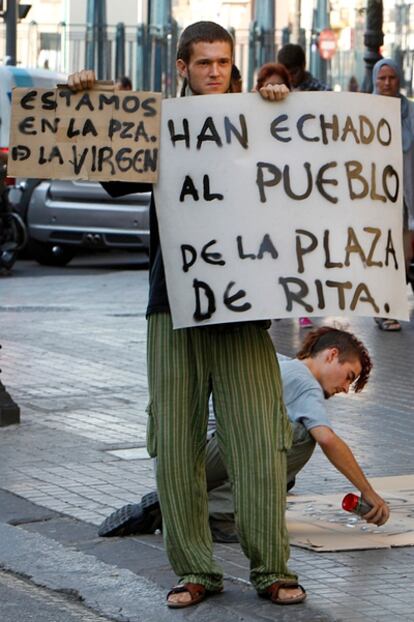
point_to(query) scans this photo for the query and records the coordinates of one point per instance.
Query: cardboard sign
(281, 209)
(100, 135)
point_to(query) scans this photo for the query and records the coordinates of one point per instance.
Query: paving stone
(74, 360)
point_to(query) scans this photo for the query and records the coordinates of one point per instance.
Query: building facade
(55, 33)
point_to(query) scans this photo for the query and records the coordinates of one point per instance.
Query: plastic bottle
(355, 504)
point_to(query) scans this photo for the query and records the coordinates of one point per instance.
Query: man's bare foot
(289, 593)
(182, 597)
(187, 594)
(284, 593)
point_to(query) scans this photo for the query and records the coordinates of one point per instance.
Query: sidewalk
(73, 358)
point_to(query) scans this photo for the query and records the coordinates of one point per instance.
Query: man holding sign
(238, 365)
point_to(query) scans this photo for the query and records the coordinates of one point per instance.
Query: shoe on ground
(388, 324)
(224, 538)
(223, 534)
(290, 484)
(139, 518)
(305, 322)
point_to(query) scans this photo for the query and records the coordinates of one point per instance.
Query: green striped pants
(240, 368)
(220, 497)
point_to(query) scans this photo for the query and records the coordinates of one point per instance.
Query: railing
(150, 57)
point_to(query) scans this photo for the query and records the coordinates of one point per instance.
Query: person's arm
(341, 456)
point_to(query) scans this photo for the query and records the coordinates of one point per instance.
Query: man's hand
(82, 80)
(274, 92)
(341, 456)
(380, 512)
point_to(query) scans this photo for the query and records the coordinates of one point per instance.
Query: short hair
(124, 83)
(291, 55)
(235, 73)
(348, 345)
(207, 32)
(236, 80)
(269, 69)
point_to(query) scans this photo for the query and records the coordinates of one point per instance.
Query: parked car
(65, 216)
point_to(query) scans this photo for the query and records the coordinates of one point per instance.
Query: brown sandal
(272, 592)
(197, 592)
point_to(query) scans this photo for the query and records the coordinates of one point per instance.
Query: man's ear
(181, 68)
(331, 354)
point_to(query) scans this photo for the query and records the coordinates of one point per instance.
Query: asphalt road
(22, 600)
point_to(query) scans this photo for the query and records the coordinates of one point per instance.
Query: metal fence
(62, 47)
(149, 58)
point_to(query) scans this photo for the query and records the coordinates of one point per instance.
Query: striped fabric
(240, 367)
(220, 496)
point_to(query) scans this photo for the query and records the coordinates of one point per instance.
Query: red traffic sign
(327, 44)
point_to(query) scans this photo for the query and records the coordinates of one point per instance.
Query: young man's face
(209, 68)
(335, 376)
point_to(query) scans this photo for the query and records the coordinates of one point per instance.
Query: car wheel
(50, 254)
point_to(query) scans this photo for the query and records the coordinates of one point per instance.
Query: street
(25, 601)
(73, 358)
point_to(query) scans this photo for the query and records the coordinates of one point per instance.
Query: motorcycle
(13, 233)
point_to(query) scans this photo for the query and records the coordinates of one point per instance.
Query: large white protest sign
(272, 210)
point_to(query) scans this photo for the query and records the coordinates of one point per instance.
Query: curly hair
(348, 345)
(269, 69)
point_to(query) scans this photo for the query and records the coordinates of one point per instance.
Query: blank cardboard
(318, 523)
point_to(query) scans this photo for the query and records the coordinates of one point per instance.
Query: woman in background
(272, 73)
(387, 79)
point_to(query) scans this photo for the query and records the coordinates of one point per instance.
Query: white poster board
(273, 210)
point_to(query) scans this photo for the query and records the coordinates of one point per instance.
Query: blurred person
(330, 361)
(236, 80)
(237, 364)
(123, 84)
(292, 56)
(272, 73)
(387, 78)
(353, 86)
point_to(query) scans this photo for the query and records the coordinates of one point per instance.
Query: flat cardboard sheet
(318, 523)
